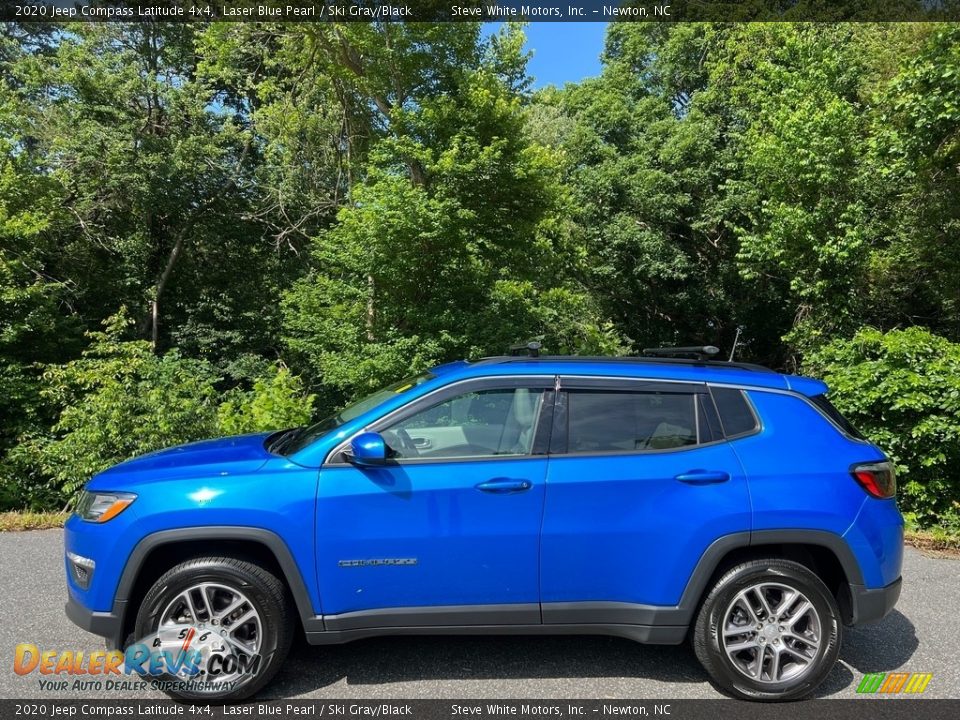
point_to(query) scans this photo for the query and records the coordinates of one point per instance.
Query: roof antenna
(736, 340)
(530, 348)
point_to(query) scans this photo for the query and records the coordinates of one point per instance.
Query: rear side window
(736, 415)
(611, 421)
(827, 408)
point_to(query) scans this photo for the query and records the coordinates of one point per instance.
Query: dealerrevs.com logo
(894, 683)
(177, 657)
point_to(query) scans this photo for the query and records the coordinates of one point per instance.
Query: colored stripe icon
(891, 683)
(918, 682)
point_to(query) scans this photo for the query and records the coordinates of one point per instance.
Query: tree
(732, 175)
(118, 400)
(358, 201)
(147, 160)
(455, 219)
(914, 276)
(647, 161)
(33, 330)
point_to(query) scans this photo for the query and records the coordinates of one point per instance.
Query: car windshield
(294, 440)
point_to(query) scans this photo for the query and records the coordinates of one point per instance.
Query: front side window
(484, 423)
(612, 421)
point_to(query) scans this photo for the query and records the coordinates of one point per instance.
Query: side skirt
(642, 623)
(649, 634)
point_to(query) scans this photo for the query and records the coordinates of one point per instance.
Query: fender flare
(269, 539)
(712, 556)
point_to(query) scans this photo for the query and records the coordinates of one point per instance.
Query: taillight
(877, 478)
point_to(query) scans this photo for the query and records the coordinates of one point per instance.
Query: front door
(447, 533)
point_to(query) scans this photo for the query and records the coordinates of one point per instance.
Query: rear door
(639, 484)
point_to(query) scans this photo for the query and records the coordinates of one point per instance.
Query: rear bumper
(871, 604)
(108, 625)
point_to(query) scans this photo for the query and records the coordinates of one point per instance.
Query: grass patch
(14, 521)
(934, 539)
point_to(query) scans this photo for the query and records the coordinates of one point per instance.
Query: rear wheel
(768, 630)
(220, 626)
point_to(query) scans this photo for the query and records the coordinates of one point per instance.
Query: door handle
(422, 443)
(703, 477)
(504, 485)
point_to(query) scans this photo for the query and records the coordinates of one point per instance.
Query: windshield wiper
(284, 439)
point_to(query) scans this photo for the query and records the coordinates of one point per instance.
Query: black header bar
(60, 11)
(891, 708)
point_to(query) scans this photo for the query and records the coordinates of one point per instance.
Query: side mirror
(367, 449)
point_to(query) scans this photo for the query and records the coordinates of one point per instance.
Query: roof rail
(630, 359)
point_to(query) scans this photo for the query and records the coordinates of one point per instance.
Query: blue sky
(563, 51)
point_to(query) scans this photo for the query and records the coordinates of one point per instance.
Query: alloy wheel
(224, 621)
(771, 633)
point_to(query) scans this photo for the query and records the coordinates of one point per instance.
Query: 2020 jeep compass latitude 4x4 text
(648, 498)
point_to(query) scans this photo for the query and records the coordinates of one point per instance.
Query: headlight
(101, 506)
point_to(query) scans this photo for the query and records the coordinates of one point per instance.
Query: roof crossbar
(700, 352)
(530, 348)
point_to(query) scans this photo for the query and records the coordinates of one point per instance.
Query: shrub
(902, 389)
(277, 401)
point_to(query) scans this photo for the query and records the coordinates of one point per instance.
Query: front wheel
(768, 630)
(213, 629)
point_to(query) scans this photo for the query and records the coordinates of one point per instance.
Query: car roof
(658, 368)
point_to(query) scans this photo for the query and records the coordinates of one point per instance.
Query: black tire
(264, 590)
(707, 641)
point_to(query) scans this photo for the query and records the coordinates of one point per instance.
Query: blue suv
(656, 499)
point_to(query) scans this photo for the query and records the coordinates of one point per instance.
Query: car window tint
(610, 421)
(831, 412)
(475, 424)
(735, 414)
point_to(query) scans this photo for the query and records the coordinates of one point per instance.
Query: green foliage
(130, 159)
(649, 157)
(32, 328)
(804, 155)
(902, 390)
(773, 176)
(459, 210)
(116, 401)
(915, 159)
(277, 401)
(315, 210)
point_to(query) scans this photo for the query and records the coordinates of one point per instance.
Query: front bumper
(106, 624)
(871, 604)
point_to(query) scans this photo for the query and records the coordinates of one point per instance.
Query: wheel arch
(823, 552)
(158, 552)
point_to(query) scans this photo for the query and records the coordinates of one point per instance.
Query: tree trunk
(185, 231)
(371, 313)
(164, 279)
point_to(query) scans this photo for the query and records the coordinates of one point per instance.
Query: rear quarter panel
(798, 470)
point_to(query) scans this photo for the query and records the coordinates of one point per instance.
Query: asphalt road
(921, 635)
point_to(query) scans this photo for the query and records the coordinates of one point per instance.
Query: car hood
(224, 456)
